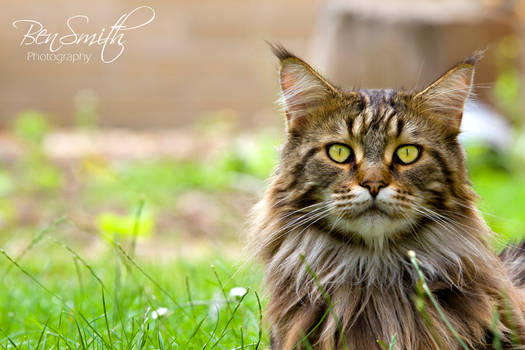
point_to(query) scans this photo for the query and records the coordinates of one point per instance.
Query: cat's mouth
(370, 221)
(373, 210)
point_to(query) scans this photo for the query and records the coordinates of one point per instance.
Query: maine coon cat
(364, 177)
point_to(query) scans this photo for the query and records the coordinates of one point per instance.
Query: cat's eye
(407, 154)
(339, 153)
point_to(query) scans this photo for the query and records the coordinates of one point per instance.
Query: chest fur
(353, 318)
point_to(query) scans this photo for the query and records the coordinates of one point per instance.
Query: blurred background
(168, 147)
(121, 183)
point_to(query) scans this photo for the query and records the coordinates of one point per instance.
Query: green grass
(58, 299)
(499, 180)
(58, 293)
(502, 203)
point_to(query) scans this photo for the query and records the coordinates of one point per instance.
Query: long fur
(337, 288)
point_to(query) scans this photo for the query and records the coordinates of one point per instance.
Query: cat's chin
(372, 226)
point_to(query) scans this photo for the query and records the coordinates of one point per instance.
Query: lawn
(60, 300)
(102, 253)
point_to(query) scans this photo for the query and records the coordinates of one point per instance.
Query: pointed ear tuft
(302, 88)
(444, 99)
(280, 51)
(475, 57)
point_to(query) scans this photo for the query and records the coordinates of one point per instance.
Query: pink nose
(373, 186)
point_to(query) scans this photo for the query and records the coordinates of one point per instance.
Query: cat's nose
(373, 180)
(373, 186)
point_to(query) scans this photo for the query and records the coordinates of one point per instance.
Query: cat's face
(372, 162)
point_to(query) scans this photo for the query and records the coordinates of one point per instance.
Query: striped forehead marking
(378, 113)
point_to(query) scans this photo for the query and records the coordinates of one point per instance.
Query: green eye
(339, 153)
(407, 154)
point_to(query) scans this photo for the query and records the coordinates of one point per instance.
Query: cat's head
(371, 163)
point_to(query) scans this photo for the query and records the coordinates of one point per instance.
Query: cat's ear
(445, 98)
(303, 90)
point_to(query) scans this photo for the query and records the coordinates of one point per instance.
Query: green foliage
(499, 177)
(31, 126)
(502, 202)
(163, 179)
(35, 172)
(508, 86)
(391, 345)
(159, 180)
(8, 213)
(499, 180)
(6, 183)
(117, 302)
(253, 155)
(111, 224)
(39, 174)
(507, 89)
(113, 301)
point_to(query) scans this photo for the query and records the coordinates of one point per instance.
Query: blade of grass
(161, 341)
(80, 335)
(242, 338)
(59, 329)
(117, 313)
(132, 261)
(144, 334)
(419, 301)
(136, 226)
(212, 334)
(133, 333)
(79, 275)
(224, 294)
(326, 297)
(42, 333)
(382, 343)
(412, 256)
(57, 333)
(9, 339)
(223, 291)
(190, 300)
(50, 292)
(79, 258)
(259, 335)
(304, 339)
(496, 342)
(391, 345)
(230, 319)
(106, 318)
(194, 331)
(45, 341)
(37, 238)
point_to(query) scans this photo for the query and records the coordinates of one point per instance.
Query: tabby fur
(336, 264)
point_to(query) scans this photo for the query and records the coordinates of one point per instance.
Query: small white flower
(161, 311)
(237, 292)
